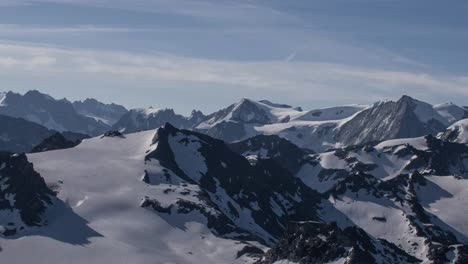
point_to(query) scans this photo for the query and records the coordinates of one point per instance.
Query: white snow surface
(147, 111)
(312, 129)
(361, 208)
(2, 99)
(108, 122)
(451, 206)
(426, 112)
(104, 223)
(332, 113)
(418, 143)
(462, 127)
(450, 111)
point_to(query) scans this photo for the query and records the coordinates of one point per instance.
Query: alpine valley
(256, 182)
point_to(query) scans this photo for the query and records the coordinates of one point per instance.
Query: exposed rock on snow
(24, 195)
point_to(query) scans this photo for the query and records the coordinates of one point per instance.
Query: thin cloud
(21, 29)
(301, 79)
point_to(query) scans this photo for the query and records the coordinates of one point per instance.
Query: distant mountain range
(254, 183)
(59, 115)
(316, 130)
(30, 118)
(108, 114)
(264, 199)
(151, 118)
(331, 127)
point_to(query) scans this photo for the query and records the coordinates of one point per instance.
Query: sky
(207, 54)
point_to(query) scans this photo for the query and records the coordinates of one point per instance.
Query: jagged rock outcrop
(259, 198)
(314, 242)
(281, 150)
(150, 118)
(59, 141)
(24, 195)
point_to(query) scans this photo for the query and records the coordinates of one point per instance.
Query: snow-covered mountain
(106, 113)
(170, 194)
(407, 192)
(58, 115)
(457, 132)
(402, 119)
(184, 197)
(248, 118)
(151, 118)
(317, 130)
(452, 112)
(322, 129)
(383, 183)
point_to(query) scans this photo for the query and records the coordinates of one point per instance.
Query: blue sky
(200, 54)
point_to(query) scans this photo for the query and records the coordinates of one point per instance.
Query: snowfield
(100, 182)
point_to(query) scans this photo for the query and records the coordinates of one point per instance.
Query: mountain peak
(37, 94)
(406, 98)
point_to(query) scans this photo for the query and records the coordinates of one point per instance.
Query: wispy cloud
(317, 81)
(16, 29)
(246, 11)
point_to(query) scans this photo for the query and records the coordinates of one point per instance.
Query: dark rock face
(314, 242)
(268, 192)
(226, 130)
(250, 251)
(442, 158)
(139, 119)
(58, 141)
(19, 135)
(74, 137)
(387, 120)
(22, 190)
(59, 115)
(285, 153)
(109, 113)
(113, 134)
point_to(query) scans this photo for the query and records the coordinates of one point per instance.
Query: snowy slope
(457, 132)
(308, 129)
(167, 195)
(451, 112)
(250, 112)
(332, 113)
(385, 160)
(2, 99)
(101, 182)
(322, 129)
(178, 196)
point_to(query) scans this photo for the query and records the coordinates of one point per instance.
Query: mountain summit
(59, 115)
